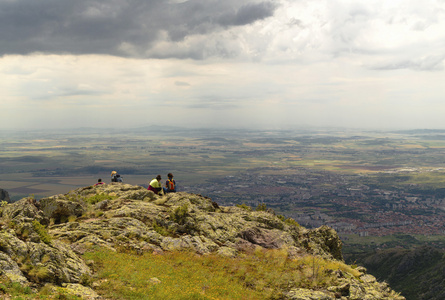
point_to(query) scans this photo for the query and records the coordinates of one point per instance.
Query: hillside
(419, 272)
(120, 241)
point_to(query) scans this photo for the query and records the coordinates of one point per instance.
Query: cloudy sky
(213, 63)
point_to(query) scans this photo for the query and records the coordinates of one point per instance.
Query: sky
(272, 64)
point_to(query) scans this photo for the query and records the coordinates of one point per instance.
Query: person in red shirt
(99, 182)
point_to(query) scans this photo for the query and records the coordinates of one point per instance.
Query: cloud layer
(116, 27)
(250, 63)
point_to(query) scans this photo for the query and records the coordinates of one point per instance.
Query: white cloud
(341, 63)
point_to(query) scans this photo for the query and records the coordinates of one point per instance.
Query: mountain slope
(419, 273)
(48, 241)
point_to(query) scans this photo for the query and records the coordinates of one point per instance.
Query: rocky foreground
(42, 242)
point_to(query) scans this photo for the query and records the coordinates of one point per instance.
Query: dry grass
(263, 274)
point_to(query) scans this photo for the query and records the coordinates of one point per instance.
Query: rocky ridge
(43, 241)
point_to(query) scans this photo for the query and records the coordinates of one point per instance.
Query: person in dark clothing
(115, 177)
(170, 184)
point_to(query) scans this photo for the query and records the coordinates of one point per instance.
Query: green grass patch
(396, 240)
(41, 231)
(99, 197)
(185, 275)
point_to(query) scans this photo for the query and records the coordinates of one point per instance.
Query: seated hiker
(115, 177)
(170, 184)
(99, 182)
(155, 185)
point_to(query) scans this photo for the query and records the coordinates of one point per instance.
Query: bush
(99, 197)
(292, 222)
(179, 215)
(261, 207)
(162, 230)
(41, 231)
(244, 206)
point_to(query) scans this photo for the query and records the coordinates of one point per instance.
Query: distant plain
(47, 163)
(241, 167)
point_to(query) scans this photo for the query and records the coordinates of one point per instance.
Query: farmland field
(373, 187)
(46, 163)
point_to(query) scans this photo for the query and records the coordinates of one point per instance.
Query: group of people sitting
(155, 185)
(115, 177)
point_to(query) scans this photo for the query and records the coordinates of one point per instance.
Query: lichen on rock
(122, 216)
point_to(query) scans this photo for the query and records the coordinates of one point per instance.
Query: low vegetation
(99, 197)
(185, 275)
(16, 291)
(41, 231)
(262, 274)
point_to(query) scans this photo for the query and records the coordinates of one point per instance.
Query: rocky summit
(43, 242)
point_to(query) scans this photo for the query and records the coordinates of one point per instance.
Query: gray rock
(59, 210)
(25, 208)
(4, 196)
(305, 294)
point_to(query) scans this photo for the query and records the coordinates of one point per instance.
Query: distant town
(315, 198)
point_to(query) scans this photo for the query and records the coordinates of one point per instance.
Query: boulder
(60, 209)
(38, 261)
(26, 208)
(4, 196)
(305, 294)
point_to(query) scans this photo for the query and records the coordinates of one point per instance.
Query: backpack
(171, 185)
(119, 178)
(116, 178)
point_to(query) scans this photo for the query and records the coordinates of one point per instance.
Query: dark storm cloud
(248, 13)
(103, 27)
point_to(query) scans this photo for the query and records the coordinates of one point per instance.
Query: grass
(41, 231)
(99, 197)
(14, 289)
(353, 241)
(435, 179)
(17, 291)
(185, 275)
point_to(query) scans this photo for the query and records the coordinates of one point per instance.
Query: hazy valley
(377, 189)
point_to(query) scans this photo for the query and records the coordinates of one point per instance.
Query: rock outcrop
(4, 196)
(43, 241)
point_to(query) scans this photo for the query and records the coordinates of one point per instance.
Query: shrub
(161, 230)
(41, 231)
(39, 274)
(290, 221)
(261, 207)
(99, 197)
(180, 214)
(281, 217)
(244, 206)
